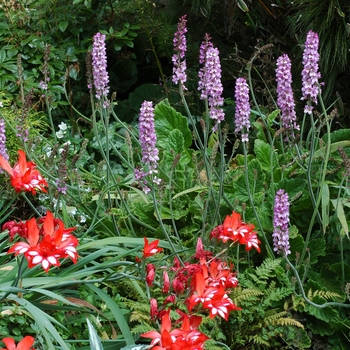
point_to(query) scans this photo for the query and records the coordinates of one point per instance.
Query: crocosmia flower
(236, 230)
(24, 175)
(47, 243)
(25, 344)
(150, 249)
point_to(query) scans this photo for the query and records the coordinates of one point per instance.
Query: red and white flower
(24, 175)
(47, 244)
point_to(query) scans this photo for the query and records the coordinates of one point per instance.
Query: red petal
(49, 225)
(10, 343)
(22, 162)
(33, 232)
(7, 167)
(26, 343)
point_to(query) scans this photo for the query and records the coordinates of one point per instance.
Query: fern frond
(141, 328)
(247, 294)
(271, 316)
(287, 321)
(256, 339)
(267, 268)
(325, 294)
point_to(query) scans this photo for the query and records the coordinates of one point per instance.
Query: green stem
(268, 248)
(319, 306)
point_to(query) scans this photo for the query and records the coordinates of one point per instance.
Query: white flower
(82, 219)
(1, 105)
(62, 126)
(71, 210)
(59, 134)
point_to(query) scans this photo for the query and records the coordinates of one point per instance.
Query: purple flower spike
(310, 74)
(149, 150)
(285, 98)
(242, 112)
(281, 223)
(99, 66)
(179, 69)
(3, 149)
(210, 80)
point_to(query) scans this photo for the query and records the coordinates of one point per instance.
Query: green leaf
(137, 347)
(175, 142)
(167, 119)
(317, 247)
(271, 117)
(117, 313)
(63, 26)
(339, 211)
(256, 179)
(95, 342)
(263, 153)
(44, 322)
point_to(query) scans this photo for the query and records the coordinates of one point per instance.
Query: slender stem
(319, 306)
(268, 248)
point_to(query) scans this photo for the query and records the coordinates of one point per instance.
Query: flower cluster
(149, 150)
(285, 97)
(210, 80)
(24, 175)
(99, 66)
(242, 111)
(46, 241)
(179, 68)
(202, 285)
(280, 223)
(234, 229)
(310, 74)
(25, 344)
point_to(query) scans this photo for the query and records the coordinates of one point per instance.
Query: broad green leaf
(167, 119)
(317, 247)
(256, 179)
(63, 26)
(334, 148)
(175, 142)
(264, 153)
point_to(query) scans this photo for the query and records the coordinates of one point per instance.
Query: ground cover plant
(202, 222)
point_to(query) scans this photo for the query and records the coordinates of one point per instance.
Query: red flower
(202, 292)
(56, 242)
(150, 249)
(236, 230)
(24, 176)
(25, 344)
(150, 271)
(166, 283)
(220, 304)
(14, 228)
(183, 338)
(154, 308)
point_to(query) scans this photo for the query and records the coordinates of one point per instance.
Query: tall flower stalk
(242, 111)
(148, 140)
(280, 223)
(310, 74)
(180, 47)
(285, 97)
(210, 81)
(99, 66)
